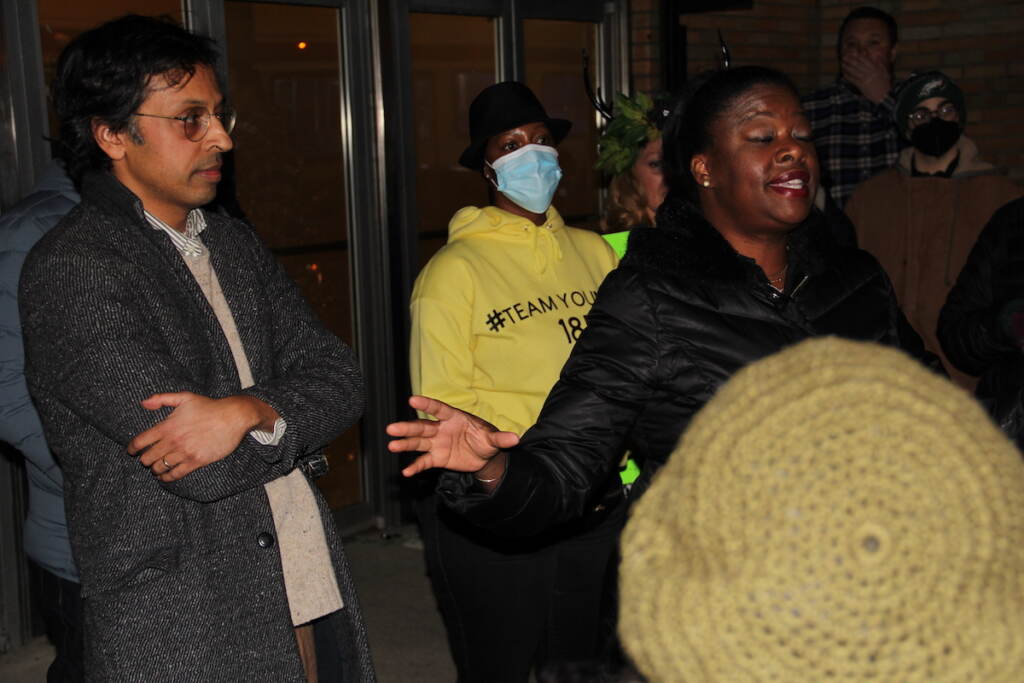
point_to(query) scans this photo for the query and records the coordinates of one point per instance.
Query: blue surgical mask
(528, 176)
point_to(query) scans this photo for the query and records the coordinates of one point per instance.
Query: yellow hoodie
(496, 311)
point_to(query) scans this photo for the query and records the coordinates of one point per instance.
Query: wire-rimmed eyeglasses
(197, 121)
(947, 112)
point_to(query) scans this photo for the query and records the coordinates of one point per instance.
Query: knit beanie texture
(923, 86)
(836, 512)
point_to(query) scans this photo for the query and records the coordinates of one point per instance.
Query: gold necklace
(779, 277)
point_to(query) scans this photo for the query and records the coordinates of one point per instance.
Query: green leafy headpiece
(635, 123)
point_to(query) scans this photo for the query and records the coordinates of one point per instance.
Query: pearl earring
(707, 183)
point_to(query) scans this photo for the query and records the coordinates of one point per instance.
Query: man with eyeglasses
(185, 388)
(921, 217)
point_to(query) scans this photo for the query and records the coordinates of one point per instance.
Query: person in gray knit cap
(185, 387)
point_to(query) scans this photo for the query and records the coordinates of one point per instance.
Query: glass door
(284, 73)
(553, 55)
(444, 52)
(452, 59)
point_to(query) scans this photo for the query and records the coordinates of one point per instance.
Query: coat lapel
(241, 289)
(155, 252)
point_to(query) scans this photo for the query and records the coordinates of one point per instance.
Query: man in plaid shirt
(852, 120)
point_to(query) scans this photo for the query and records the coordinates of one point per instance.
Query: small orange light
(302, 45)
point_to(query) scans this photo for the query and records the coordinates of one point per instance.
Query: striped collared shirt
(187, 243)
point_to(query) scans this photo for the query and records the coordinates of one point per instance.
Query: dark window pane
(553, 63)
(284, 75)
(452, 61)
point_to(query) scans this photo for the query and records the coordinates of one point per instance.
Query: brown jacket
(922, 228)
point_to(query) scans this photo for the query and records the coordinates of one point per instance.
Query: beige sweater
(309, 578)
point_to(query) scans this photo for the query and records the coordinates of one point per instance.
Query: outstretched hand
(456, 440)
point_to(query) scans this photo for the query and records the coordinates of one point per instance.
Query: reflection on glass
(452, 61)
(553, 63)
(62, 20)
(284, 76)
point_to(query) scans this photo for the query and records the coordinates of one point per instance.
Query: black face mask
(935, 137)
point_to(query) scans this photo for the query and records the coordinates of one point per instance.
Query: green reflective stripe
(629, 473)
(618, 240)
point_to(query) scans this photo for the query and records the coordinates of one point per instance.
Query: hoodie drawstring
(543, 254)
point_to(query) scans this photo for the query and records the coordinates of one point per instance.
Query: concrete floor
(406, 634)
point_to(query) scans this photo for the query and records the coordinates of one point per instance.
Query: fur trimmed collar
(685, 245)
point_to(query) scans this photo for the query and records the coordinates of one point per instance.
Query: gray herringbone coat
(175, 585)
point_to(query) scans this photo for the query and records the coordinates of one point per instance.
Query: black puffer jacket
(971, 328)
(679, 316)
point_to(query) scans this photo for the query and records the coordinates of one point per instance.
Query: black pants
(61, 609)
(513, 605)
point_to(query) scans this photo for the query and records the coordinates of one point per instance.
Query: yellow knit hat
(836, 513)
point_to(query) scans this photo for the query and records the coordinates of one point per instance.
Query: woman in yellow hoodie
(494, 315)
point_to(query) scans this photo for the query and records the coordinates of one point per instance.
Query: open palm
(455, 440)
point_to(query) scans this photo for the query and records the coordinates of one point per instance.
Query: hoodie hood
(490, 222)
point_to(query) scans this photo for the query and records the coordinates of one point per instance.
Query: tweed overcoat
(176, 583)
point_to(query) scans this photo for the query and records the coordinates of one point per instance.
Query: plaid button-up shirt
(855, 137)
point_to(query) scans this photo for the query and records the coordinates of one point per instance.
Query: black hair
(104, 75)
(869, 13)
(688, 130)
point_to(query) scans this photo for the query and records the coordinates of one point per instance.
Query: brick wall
(645, 45)
(975, 43)
(783, 34)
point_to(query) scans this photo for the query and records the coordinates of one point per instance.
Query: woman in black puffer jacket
(739, 266)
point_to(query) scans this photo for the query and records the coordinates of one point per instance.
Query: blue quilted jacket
(46, 531)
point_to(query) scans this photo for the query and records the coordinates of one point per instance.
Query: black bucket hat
(501, 107)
